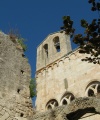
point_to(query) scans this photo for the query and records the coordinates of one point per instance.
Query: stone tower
(48, 75)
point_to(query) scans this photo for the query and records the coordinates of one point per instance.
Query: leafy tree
(89, 42)
(32, 88)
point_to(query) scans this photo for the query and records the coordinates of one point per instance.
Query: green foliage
(84, 23)
(89, 42)
(32, 88)
(21, 42)
(68, 25)
(16, 37)
(95, 5)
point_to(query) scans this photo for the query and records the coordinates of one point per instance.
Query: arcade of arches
(92, 90)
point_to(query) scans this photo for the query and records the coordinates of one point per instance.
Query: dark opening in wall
(98, 89)
(64, 102)
(46, 49)
(22, 71)
(18, 90)
(90, 93)
(57, 43)
(21, 115)
(49, 107)
(79, 113)
(23, 55)
(58, 48)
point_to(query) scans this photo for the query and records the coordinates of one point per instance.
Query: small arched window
(51, 104)
(67, 98)
(46, 49)
(93, 89)
(57, 43)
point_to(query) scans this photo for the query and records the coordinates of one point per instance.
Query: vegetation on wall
(21, 42)
(16, 37)
(32, 88)
(89, 42)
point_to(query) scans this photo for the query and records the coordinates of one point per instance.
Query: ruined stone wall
(15, 73)
(86, 108)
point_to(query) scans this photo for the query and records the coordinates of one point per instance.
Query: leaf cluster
(67, 27)
(32, 88)
(90, 42)
(95, 5)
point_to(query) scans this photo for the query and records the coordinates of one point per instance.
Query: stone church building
(62, 76)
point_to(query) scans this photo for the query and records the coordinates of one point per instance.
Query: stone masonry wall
(15, 73)
(67, 75)
(65, 47)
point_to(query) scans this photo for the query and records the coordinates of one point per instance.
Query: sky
(36, 19)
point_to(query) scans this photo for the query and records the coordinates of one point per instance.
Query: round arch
(93, 89)
(66, 98)
(51, 104)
